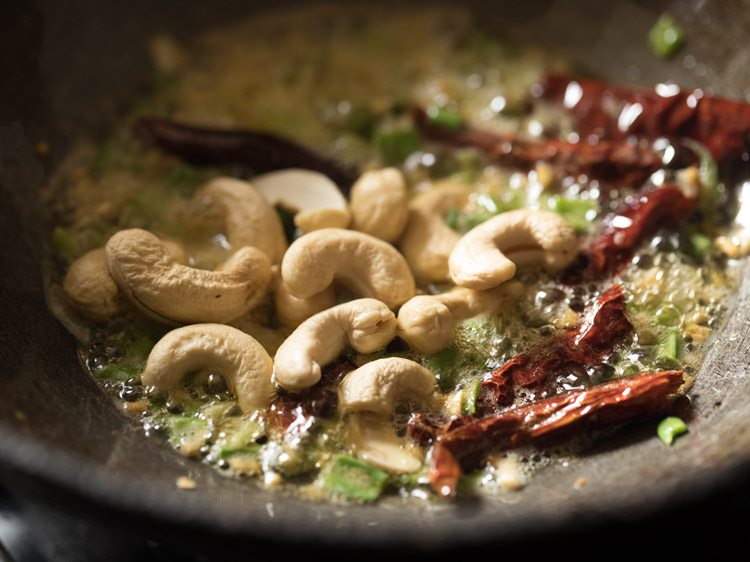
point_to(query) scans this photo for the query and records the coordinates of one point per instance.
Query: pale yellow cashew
(238, 357)
(249, 219)
(368, 396)
(488, 255)
(428, 241)
(427, 323)
(91, 289)
(379, 385)
(314, 198)
(170, 292)
(367, 265)
(379, 204)
(292, 311)
(367, 325)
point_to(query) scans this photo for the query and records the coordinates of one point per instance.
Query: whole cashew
(427, 241)
(170, 292)
(249, 218)
(369, 266)
(379, 204)
(90, 288)
(427, 323)
(377, 386)
(292, 311)
(239, 358)
(366, 324)
(487, 255)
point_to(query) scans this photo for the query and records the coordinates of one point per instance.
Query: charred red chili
(623, 231)
(610, 111)
(621, 400)
(578, 348)
(620, 162)
(259, 151)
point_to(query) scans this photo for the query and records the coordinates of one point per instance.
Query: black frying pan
(70, 68)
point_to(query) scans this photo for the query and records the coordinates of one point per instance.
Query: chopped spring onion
(670, 428)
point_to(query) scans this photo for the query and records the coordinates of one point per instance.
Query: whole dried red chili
(617, 401)
(623, 231)
(578, 348)
(259, 151)
(612, 111)
(620, 162)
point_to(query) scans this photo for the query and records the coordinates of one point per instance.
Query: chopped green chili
(666, 36)
(668, 315)
(670, 428)
(469, 398)
(396, 143)
(577, 212)
(355, 480)
(445, 118)
(64, 244)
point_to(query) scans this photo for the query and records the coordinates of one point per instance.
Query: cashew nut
(249, 219)
(90, 288)
(427, 323)
(239, 358)
(366, 324)
(488, 255)
(367, 265)
(315, 198)
(292, 311)
(379, 204)
(379, 385)
(374, 441)
(427, 241)
(167, 291)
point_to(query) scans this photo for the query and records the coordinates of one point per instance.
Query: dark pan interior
(72, 66)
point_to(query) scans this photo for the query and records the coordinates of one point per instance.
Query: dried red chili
(621, 400)
(610, 111)
(259, 151)
(291, 410)
(579, 348)
(621, 162)
(622, 232)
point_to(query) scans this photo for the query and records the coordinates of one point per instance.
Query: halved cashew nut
(379, 204)
(427, 241)
(367, 265)
(249, 219)
(379, 385)
(91, 289)
(239, 358)
(317, 201)
(374, 441)
(168, 291)
(427, 323)
(366, 324)
(488, 254)
(292, 311)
